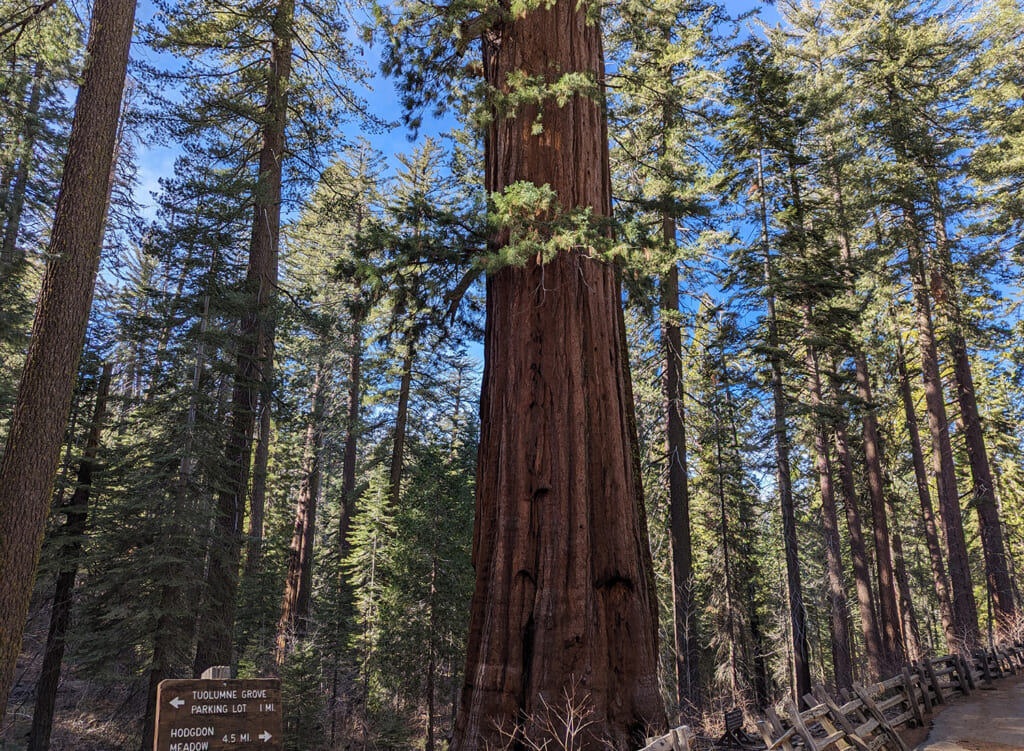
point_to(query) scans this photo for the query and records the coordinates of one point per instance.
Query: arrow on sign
(264, 736)
(177, 702)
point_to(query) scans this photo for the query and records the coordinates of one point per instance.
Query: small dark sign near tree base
(218, 715)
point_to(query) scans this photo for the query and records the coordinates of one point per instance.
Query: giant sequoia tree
(560, 517)
(564, 606)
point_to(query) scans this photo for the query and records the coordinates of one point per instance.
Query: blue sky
(156, 160)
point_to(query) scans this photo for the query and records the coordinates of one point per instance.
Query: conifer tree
(44, 394)
(546, 462)
(662, 78)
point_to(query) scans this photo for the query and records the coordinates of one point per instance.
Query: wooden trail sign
(218, 715)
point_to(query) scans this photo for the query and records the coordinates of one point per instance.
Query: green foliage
(304, 705)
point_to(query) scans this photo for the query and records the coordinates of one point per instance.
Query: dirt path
(990, 719)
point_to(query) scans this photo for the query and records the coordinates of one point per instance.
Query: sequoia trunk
(564, 607)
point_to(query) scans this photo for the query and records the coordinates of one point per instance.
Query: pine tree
(44, 394)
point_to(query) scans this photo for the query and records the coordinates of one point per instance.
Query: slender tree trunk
(215, 635)
(859, 556)
(431, 658)
(10, 256)
(564, 596)
(351, 450)
(908, 618)
(688, 693)
(299, 579)
(931, 533)
(842, 664)
(947, 293)
(77, 512)
(894, 650)
(401, 419)
(965, 610)
(783, 475)
(893, 645)
(44, 394)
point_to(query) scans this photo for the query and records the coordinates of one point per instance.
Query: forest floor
(990, 719)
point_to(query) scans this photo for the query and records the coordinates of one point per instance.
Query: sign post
(218, 715)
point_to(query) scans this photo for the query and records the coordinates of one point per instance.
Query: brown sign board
(218, 715)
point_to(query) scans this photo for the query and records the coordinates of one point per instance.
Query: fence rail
(868, 718)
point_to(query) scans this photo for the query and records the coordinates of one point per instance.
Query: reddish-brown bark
(564, 600)
(965, 609)
(299, 579)
(842, 662)
(44, 395)
(931, 533)
(997, 570)
(859, 555)
(894, 650)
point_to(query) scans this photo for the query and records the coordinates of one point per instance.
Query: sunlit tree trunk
(687, 668)
(564, 599)
(40, 414)
(842, 664)
(299, 577)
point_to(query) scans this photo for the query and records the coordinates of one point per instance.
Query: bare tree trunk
(215, 634)
(947, 292)
(965, 610)
(783, 475)
(688, 689)
(894, 650)
(351, 450)
(842, 664)
(859, 555)
(564, 597)
(931, 534)
(44, 394)
(893, 646)
(77, 512)
(10, 256)
(908, 618)
(299, 580)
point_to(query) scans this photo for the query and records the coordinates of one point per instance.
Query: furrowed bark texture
(44, 394)
(564, 600)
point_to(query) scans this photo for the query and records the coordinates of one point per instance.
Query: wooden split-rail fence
(868, 718)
